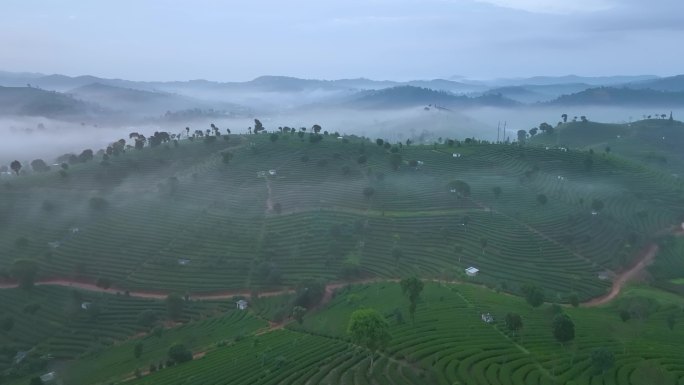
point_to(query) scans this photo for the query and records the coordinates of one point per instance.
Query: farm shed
(49, 378)
(472, 271)
(241, 304)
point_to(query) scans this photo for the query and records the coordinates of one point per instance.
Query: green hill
(259, 213)
(179, 218)
(27, 101)
(411, 96)
(653, 142)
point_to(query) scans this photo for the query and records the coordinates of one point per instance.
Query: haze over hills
(622, 97)
(144, 103)
(25, 101)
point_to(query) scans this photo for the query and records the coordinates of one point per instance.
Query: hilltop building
(472, 271)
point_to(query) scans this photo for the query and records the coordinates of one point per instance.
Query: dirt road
(644, 259)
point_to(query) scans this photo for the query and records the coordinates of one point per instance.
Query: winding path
(644, 259)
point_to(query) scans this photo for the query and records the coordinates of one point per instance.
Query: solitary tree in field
(138, 350)
(24, 271)
(514, 322)
(602, 359)
(563, 328)
(379, 142)
(258, 126)
(565, 118)
(533, 294)
(316, 128)
(483, 243)
(412, 287)
(15, 166)
(461, 188)
(39, 165)
(179, 353)
(369, 329)
(174, 306)
(395, 160)
(533, 131)
(522, 135)
(546, 128)
(542, 199)
(298, 313)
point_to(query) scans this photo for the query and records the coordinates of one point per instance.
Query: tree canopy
(412, 287)
(533, 294)
(24, 271)
(514, 322)
(369, 329)
(602, 359)
(462, 188)
(178, 353)
(563, 328)
(174, 306)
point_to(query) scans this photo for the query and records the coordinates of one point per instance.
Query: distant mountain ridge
(266, 94)
(621, 96)
(26, 101)
(411, 96)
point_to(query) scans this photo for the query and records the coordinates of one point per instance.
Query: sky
(332, 39)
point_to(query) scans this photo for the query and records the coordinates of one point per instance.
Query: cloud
(553, 6)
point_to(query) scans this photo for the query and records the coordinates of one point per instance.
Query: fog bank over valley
(45, 116)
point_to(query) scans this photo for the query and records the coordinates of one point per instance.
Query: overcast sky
(380, 39)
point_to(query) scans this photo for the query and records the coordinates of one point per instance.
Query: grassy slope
(447, 344)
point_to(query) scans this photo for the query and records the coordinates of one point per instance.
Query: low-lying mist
(28, 138)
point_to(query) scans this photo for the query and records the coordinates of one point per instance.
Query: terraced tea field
(188, 218)
(179, 219)
(447, 344)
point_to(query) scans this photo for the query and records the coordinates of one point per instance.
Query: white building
(49, 378)
(472, 271)
(271, 172)
(241, 304)
(456, 155)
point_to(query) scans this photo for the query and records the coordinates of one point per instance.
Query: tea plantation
(225, 217)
